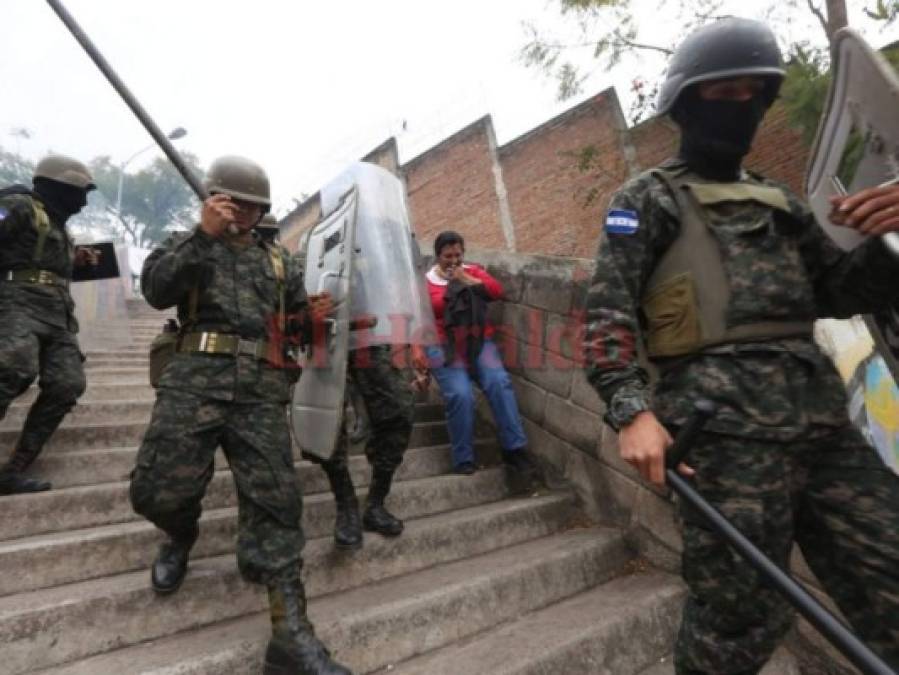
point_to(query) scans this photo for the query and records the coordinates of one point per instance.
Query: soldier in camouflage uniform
(722, 272)
(36, 311)
(389, 406)
(227, 385)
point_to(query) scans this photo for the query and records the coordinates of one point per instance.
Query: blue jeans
(456, 387)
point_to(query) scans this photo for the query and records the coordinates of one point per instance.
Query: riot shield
(389, 280)
(316, 410)
(857, 146)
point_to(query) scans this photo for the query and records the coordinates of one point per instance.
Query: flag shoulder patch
(622, 221)
(3, 213)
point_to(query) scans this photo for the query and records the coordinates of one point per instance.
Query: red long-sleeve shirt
(437, 289)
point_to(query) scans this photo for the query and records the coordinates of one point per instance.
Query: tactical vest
(697, 298)
(42, 227)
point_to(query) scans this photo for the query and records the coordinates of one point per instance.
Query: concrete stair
(480, 581)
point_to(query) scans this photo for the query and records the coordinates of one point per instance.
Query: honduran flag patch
(622, 221)
(3, 213)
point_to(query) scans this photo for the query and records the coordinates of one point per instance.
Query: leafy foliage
(155, 200)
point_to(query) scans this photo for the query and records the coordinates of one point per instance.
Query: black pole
(123, 91)
(816, 614)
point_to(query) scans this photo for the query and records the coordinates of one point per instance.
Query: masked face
(719, 120)
(65, 199)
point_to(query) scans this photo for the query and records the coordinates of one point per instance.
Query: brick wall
(452, 187)
(530, 195)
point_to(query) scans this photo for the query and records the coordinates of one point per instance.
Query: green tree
(611, 32)
(155, 199)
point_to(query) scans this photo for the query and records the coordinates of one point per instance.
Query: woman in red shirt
(455, 376)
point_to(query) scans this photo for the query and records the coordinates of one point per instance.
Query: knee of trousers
(16, 378)
(65, 392)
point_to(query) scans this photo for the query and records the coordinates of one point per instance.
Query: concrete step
(122, 389)
(781, 663)
(367, 627)
(69, 557)
(116, 362)
(107, 504)
(71, 437)
(115, 375)
(112, 465)
(616, 629)
(133, 410)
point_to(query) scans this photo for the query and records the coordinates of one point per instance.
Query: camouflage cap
(65, 170)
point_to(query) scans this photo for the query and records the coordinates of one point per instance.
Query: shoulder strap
(277, 258)
(42, 225)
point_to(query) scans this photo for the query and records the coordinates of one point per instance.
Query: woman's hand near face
(460, 275)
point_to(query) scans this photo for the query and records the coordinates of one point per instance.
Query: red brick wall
(556, 207)
(452, 187)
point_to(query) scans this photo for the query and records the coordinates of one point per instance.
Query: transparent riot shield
(857, 147)
(316, 410)
(101, 309)
(388, 285)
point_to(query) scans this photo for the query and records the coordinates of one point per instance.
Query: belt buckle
(246, 347)
(9, 276)
(208, 341)
(43, 277)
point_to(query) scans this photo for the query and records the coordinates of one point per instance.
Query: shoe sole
(348, 547)
(162, 591)
(390, 535)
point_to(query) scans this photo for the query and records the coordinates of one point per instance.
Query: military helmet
(65, 170)
(731, 47)
(240, 178)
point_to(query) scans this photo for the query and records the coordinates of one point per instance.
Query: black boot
(377, 518)
(294, 649)
(347, 528)
(170, 567)
(522, 473)
(12, 482)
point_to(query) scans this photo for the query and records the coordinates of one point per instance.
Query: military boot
(347, 528)
(377, 518)
(521, 472)
(294, 649)
(170, 567)
(12, 482)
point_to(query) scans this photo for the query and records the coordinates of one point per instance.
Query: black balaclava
(716, 135)
(63, 199)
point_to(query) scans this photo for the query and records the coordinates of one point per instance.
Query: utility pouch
(164, 345)
(162, 350)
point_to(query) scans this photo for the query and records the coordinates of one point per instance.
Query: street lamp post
(174, 134)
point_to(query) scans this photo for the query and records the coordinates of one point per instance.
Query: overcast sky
(300, 86)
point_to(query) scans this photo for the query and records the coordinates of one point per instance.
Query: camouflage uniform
(779, 457)
(389, 405)
(39, 326)
(238, 403)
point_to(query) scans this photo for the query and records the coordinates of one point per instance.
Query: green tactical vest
(695, 299)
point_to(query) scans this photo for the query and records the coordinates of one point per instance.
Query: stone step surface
(91, 436)
(618, 628)
(98, 505)
(419, 612)
(781, 663)
(123, 389)
(75, 554)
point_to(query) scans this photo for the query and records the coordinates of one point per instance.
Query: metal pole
(816, 614)
(123, 91)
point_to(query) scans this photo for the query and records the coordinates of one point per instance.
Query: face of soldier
(246, 215)
(450, 257)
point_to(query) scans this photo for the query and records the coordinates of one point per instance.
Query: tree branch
(621, 41)
(821, 18)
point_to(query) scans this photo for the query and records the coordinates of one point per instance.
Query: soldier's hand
(321, 306)
(643, 443)
(873, 211)
(218, 213)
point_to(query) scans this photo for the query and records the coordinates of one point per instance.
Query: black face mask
(716, 135)
(66, 200)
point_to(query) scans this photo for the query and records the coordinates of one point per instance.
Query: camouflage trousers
(30, 349)
(175, 464)
(389, 403)
(835, 498)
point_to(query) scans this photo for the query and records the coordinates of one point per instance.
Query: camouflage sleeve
(13, 216)
(846, 283)
(641, 223)
(173, 269)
